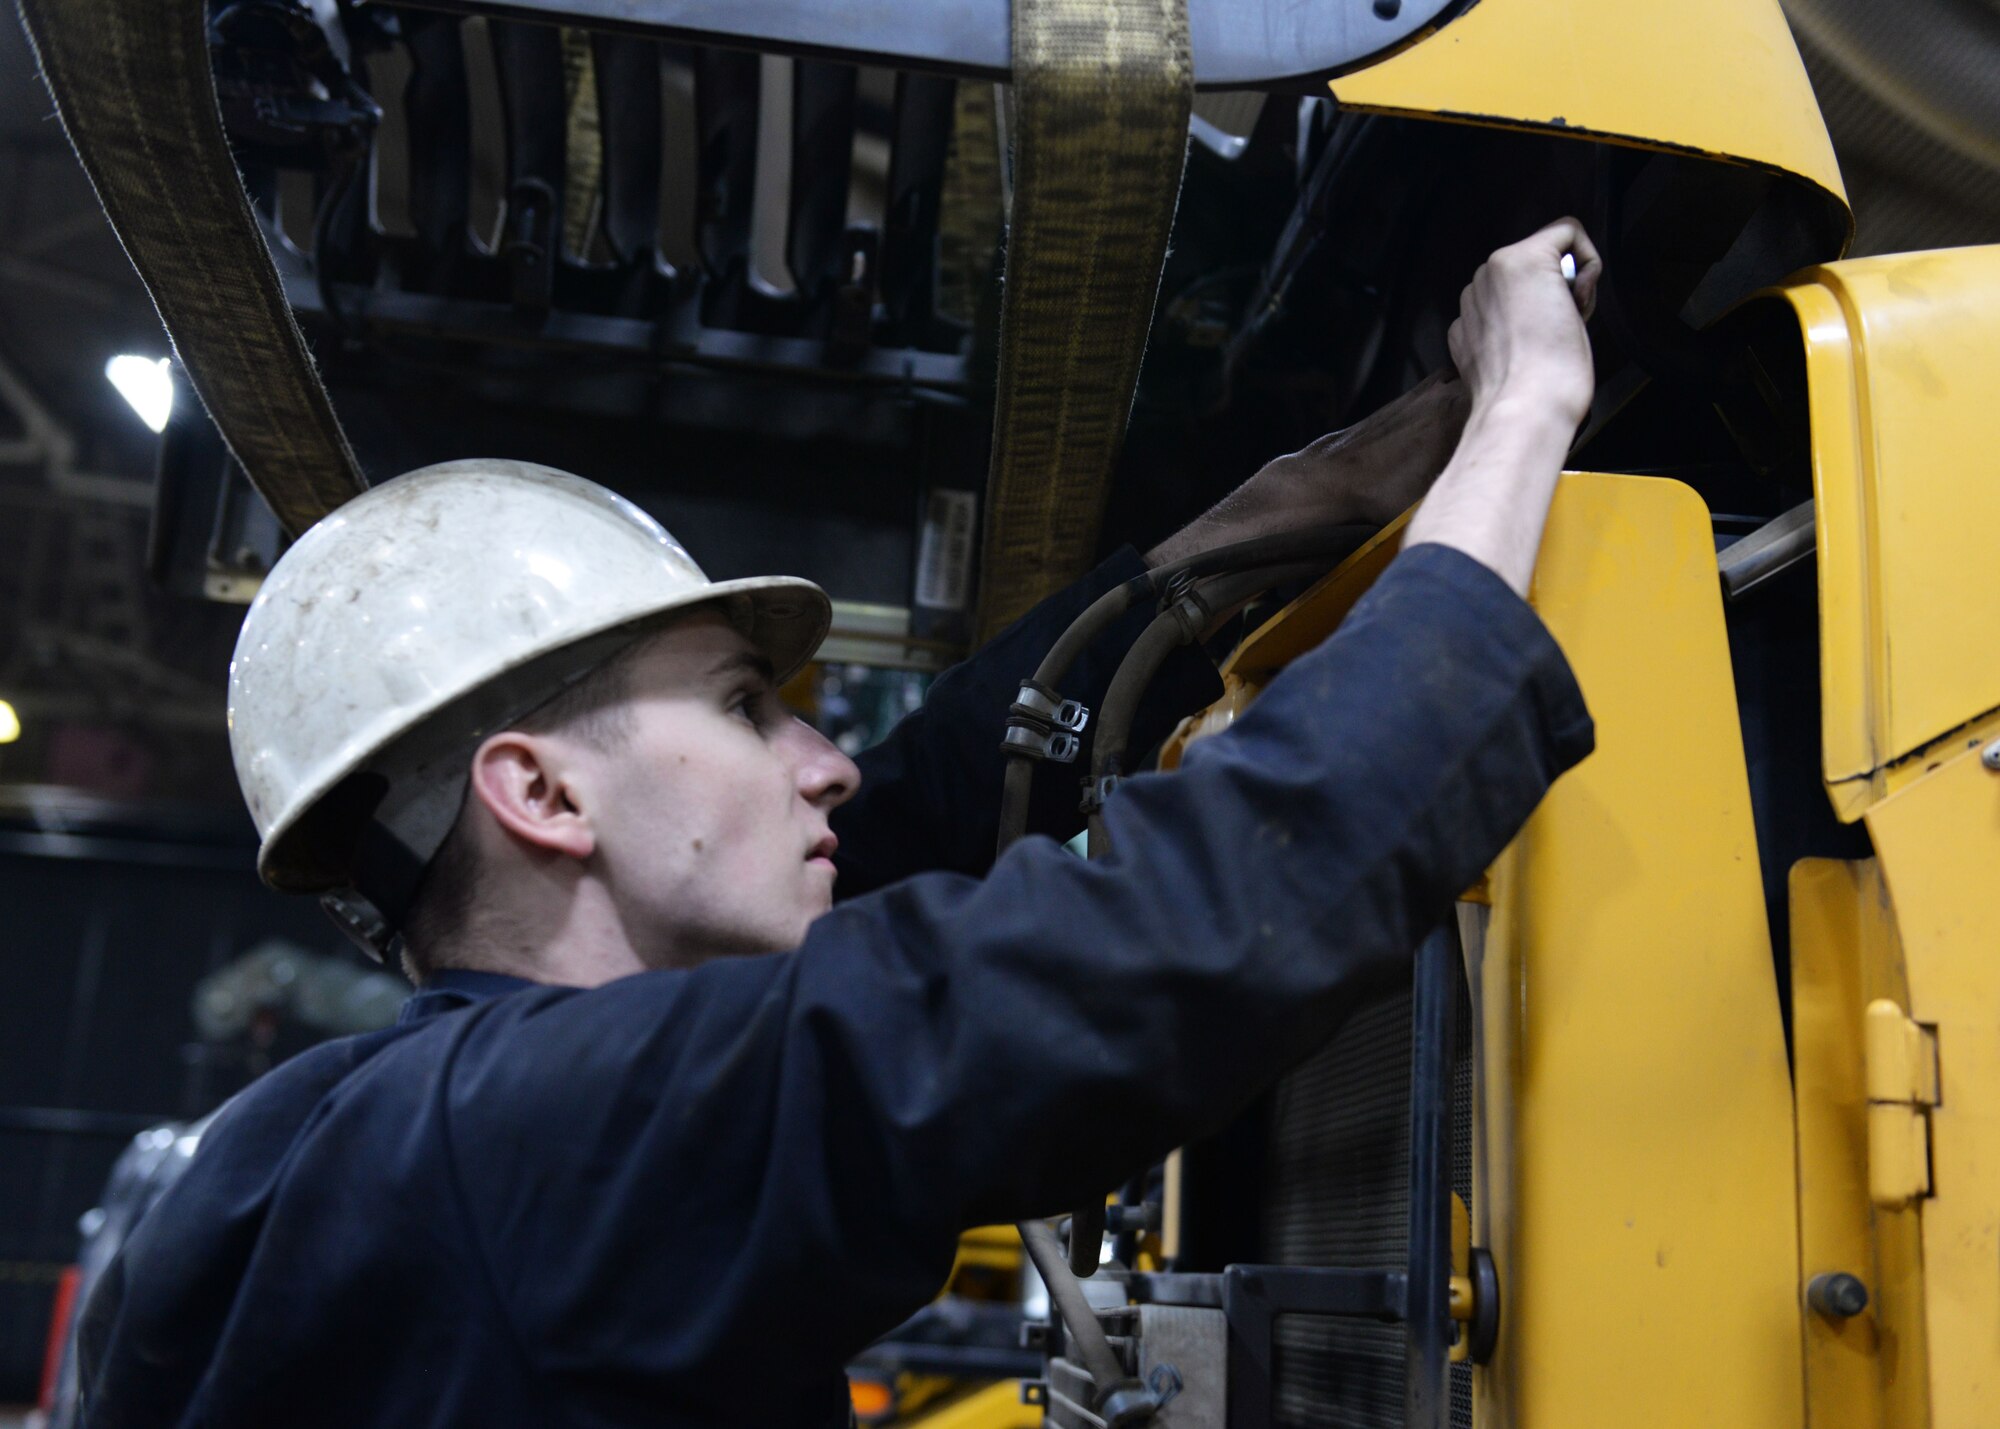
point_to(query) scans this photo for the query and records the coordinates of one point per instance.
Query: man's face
(711, 812)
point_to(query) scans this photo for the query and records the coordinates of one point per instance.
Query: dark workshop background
(125, 855)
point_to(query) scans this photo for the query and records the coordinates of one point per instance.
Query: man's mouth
(822, 852)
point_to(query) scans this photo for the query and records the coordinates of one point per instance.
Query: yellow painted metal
(1938, 841)
(1899, 1154)
(1641, 1197)
(1900, 1062)
(1461, 1300)
(1901, 1056)
(998, 1406)
(1286, 636)
(991, 1247)
(1902, 366)
(1636, 1180)
(1717, 77)
(1866, 1372)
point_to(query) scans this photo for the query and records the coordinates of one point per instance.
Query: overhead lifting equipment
(1100, 100)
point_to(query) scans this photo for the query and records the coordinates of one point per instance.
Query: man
(667, 1136)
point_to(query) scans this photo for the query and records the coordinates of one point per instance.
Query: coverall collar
(453, 988)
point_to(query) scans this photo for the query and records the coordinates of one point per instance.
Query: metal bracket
(1777, 545)
(1096, 792)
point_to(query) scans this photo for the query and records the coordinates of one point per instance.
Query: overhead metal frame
(1237, 44)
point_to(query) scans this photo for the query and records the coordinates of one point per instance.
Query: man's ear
(523, 781)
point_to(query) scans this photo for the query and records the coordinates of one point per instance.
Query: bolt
(1990, 756)
(1838, 1295)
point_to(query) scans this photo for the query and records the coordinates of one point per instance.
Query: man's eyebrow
(737, 660)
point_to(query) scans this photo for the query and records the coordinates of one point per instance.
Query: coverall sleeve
(930, 792)
(718, 1185)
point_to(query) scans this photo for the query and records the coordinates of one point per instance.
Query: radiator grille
(1338, 1194)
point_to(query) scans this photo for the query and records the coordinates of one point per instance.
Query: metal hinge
(1902, 1081)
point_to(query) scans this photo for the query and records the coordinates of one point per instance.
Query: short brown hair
(589, 709)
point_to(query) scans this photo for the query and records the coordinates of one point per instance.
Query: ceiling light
(147, 384)
(10, 724)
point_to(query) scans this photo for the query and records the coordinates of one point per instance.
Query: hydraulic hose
(1066, 1297)
(1323, 548)
(1181, 624)
(1248, 568)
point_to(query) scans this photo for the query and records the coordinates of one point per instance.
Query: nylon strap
(133, 85)
(1102, 90)
(970, 214)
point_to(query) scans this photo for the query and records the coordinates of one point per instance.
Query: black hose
(1309, 553)
(1182, 624)
(1325, 546)
(1067, 1299)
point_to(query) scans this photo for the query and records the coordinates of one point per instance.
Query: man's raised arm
(930, 793)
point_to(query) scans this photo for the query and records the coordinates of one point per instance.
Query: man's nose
(826, 777)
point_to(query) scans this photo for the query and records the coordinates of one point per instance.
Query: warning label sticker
(944, 549)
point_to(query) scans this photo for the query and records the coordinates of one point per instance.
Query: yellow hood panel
(1716, 77)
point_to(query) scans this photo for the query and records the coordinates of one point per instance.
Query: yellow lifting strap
(1102, 90)
(131, 81)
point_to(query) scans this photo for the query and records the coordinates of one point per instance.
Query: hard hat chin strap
(425, 776)
(391, 853)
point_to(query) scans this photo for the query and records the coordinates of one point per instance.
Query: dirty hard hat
(425, 614)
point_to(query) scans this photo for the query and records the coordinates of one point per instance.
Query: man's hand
(1498, 428)
(1365, 475)
(1520, 330)
(1520, 345)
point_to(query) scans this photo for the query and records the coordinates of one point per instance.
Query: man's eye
(749, 706)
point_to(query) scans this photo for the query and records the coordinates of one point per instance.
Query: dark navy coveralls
(689, 1197)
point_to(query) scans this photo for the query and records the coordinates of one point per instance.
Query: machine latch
(1902, 1081)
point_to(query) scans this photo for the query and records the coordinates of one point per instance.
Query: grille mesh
(1338, 1193)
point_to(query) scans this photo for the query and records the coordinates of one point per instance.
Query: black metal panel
(678, 339)
(1238, 44)
(727, 88)
(907, 273)
(437, 105)
(1427, 1347)
(1339, 1194)
(822, 164)
(528, 60)
(628, 107)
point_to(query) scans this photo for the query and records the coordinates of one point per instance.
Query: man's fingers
(1584, 289)
(1552, 240)
(1546, 247)
(1589, 269)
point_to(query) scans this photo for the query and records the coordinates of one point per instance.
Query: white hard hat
(424, 614)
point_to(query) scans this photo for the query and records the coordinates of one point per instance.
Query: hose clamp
(1043, 725)
(1096, 791)
(1036, 698)
(1057, 746)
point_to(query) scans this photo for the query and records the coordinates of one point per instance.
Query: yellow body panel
(1640, 1192)
(1718, 77)
(1867, 1372)
(1635, 1177)
(1938, 841)
(998, 1406)
(1902, 363)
